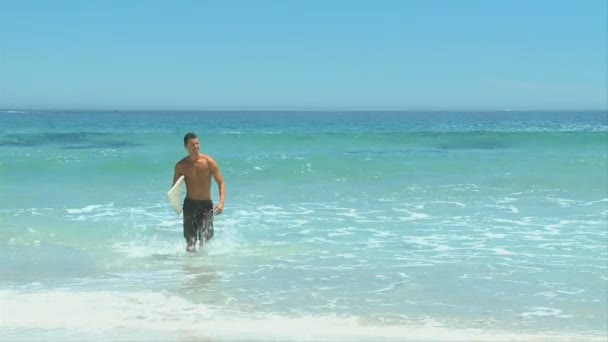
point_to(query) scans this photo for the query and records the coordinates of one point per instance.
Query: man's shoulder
(208, 158)
(211, 163)
(182, 161)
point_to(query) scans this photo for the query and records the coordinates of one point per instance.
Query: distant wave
(66, 140)
(13, 112)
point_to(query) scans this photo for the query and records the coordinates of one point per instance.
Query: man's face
(192, 146)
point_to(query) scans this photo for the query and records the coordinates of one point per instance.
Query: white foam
(557, 245)
(495, 235)
(430, 240)
(546, 294)
(14, 112)
(516, 222)
(603, 200)
(562, 202)
(87, 209)
(351, 213)
(297, 222)
(271, 210)
(501, 251)
(571, 292)
(169, 224)
(412, 216)
(146, 248)
(541, 311)
(321, 240)
(341, 232)
(346, 255)
(382, 233)
(508, 208)
(458, 204)
(443, 248)
(153, 316)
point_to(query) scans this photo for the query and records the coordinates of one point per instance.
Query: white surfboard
(175, 195)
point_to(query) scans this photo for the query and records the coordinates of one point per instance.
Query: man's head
(191, 143)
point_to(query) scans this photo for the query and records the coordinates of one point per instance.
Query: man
(197, 170)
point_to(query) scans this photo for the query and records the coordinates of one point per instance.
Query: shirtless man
(197, 170)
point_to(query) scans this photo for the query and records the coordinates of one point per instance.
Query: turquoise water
(337, 226)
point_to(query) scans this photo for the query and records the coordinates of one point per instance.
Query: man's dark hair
(189, 136)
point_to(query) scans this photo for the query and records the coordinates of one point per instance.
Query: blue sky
(304, 54)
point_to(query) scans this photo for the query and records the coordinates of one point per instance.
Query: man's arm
(177, 173)
(219, 179)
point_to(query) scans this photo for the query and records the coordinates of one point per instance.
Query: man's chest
(196, 170)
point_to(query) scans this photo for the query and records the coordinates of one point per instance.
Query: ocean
(338, 226)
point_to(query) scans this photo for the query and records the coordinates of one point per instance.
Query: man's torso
(198, 177)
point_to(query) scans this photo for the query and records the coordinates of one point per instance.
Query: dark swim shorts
(198, 220)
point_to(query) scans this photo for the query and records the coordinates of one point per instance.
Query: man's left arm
(219, 179)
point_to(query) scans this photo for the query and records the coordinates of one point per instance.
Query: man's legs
(190, 231)
(205, 225)
(198, 222)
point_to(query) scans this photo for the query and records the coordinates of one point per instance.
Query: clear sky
(307, 54)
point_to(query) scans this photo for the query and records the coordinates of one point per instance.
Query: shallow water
(337, 226)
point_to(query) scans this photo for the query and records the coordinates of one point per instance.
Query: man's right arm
(177, 173)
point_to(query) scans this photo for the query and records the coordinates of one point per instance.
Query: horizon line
(17, 109)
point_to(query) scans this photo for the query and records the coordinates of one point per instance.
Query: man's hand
(219, 209)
